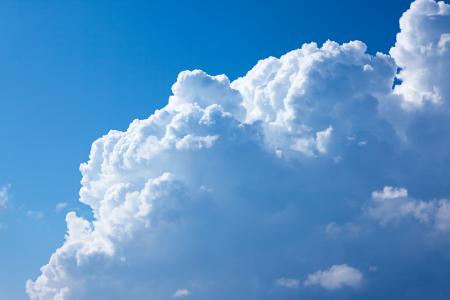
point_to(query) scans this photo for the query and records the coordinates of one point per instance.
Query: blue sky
(73, 70)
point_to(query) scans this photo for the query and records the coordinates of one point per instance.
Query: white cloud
(146, 180)
(301, 103)
(337, 276)
(181, 293)
(194, 191)
(4, 196)
(422, 51)
(311, 146)
(389, 193)
(290, 283)
(393, 204)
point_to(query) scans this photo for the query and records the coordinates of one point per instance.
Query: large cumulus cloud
(228, 187)
(422, 51)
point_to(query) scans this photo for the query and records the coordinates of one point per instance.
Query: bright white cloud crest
(422, 52)
(225, 165)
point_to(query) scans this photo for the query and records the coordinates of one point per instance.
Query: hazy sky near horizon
(342, 159)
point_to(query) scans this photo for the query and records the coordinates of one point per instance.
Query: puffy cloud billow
(227, 188)
(336, 277)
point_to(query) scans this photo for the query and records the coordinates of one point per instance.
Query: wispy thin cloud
(181, 293)
(289, 283)
(59, 207)
(35, 214)
(4, 196)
